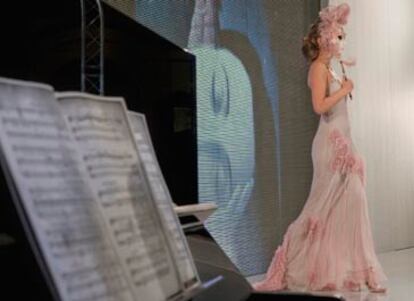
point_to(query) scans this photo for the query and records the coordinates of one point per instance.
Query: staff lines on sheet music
(154, 264)
(143, 212)
(114, 173)
(61, 232)
(106, 281)
(110, 191)
(157, 265)
(61, 161)
(80, 272)
(156, 259)
(63, 201)
(58, 211)
(98, 137)
(114, 282)
(73, 242)
(76, 246)
(119, 166)
(132, 235)
(110, 271)
(82, 227)
(121, 189)
(125, 234)
(148, 234)
(119, 201)
(68, 151)
(80, 252)
(148, 278)
(125, 230)
(108, 155)
(142, 208)
(124, 219)
(102, 296)
(67, 205)
(52, 123)
(27, 111)
(107, 275)
(71, 186)
(69, 232)
(129, 241)
(92, 128)
(31, 135)
(160, 194)
(92, 119)
(48, 174)
(139, 260)
(97, 132)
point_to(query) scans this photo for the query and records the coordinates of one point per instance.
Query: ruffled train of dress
(330, 245)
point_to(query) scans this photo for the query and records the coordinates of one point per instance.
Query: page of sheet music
(162, 197)
(101, 127)
(41, 157)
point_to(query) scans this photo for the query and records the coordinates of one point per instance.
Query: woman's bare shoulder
(317, 70)
(318, 67)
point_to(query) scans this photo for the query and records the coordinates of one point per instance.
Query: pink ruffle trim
(275, 277)
(276, 280)
(344, 160)
(355, 281)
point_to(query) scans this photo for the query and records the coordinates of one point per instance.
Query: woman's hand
(347, 85)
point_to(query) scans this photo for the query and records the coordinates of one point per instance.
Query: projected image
(226, 161)
(233, 60)
(225, 129)
(225, 140)
(235, 67)
(242, 65)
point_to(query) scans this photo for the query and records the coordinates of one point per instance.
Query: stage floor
(399, 268)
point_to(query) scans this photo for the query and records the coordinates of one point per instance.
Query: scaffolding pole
(92, 47)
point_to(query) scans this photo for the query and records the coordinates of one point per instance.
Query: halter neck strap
(334, 75)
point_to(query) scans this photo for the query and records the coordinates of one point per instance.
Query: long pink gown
(330, 245)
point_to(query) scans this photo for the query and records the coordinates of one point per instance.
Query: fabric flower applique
(344, 160)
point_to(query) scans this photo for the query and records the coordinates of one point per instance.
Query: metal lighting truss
(92, 47)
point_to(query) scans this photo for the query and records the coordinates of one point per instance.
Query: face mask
(338, 47)
(341, 46)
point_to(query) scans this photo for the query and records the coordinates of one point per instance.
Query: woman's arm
(318, 80)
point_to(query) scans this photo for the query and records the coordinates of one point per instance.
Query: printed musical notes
(106, 143)
(95, 209)
(41, 157)
(162, 198)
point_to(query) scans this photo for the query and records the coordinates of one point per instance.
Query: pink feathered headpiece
(333, 18)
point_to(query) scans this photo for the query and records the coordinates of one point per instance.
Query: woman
(329, 246)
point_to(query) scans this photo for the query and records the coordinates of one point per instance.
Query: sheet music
(162, 197)
(100, 125)
(46, 170)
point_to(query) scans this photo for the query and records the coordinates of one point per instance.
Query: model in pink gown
(330, 245)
